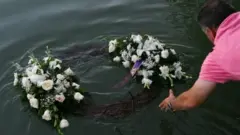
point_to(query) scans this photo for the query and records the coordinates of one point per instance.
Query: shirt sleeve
(211, 71)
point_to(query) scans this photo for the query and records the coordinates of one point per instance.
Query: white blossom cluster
(156, 57)
(45, 84)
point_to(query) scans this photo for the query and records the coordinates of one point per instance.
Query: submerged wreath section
(156, 59)
(50, 88)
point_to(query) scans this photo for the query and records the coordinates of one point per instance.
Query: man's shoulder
(227, 35)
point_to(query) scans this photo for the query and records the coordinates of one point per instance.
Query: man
(221, 23)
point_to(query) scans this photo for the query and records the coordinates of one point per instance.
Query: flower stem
(59, 131)
(171, 81)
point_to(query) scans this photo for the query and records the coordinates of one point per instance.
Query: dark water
(28, 26)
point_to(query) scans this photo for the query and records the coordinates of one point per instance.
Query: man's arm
(195, 96)
(211, 73)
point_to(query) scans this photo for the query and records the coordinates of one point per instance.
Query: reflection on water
(77, 32)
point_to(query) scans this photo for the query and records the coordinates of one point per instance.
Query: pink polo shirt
(223, 63)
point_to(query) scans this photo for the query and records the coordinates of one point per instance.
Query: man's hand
(165, 103)
(189, 99)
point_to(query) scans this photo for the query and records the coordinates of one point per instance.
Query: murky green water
(28, 26)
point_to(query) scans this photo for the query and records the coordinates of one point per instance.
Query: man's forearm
(183, 102)
(193, 97)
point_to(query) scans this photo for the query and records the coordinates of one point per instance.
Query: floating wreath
(147, 58)
(49, 88)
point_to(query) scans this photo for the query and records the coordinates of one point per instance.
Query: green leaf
(55, 122)
(55, 109)
(81, 90)
(56, 116)
(59, 131)
(48, 52)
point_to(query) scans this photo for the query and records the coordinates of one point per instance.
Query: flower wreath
(50, 88)
(147, 58)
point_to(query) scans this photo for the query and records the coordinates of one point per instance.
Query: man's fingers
(166, 109)
(170, 92)
(161, 105)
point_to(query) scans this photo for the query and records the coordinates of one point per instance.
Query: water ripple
(106, 93)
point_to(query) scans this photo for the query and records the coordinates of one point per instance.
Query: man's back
(226, 51)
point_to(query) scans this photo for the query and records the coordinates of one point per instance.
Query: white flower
(157, 58)
(148, 53)
(148, 45)
(129, 47)
(60, 88)
(144, 73)
(173, 51)
(150, 72)
(177, 64)
(26, 83)
(47, 85)
(147, 82)
(135, 58)
(139, 52)
(129, 55)
(165, 54)
(78, 96)
(36, 78)
(148, 63)
(179, 73)
(137, 38)
(60, 77)
(117, 59)
(35, 69)
(77, 86)
(58, 82)
(30, 61)
(69, 72)
(41, 71)
(39, 84)
(152, 44)
(66, 83)
(112, 46)
(152, 55)
(164, 71)
(125, 55)
(60, 98)
(46, 115)
(126, 64)
(29, 96)
(140, 45)
(160, 46)
(15, 82)
(58, 61)
(29, 71)
(57, 66)
(64, 123)
(52, 64)
(45, 59)
(34, 103)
